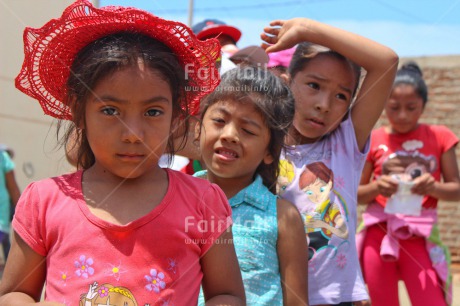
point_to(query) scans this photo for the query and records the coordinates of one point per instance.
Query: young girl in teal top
(244, 122)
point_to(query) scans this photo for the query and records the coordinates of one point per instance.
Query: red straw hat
(51, 50)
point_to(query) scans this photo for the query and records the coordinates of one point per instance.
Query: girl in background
(9, 196)
(398, 246)
(331, 125)
(244, 122)
(120, 222)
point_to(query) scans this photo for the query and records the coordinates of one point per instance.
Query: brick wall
(442, 75)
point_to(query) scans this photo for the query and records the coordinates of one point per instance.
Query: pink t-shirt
(154, 260)
(413, 153)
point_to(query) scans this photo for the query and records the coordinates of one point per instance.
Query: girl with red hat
(120, 230)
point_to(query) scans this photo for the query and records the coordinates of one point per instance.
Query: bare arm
(292, 254)
(369, 190)
(24, 276)
(222, 283)
(12, 186)
(449, 188)
(380, 63)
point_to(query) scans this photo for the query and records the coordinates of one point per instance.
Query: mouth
(131, 156)
(316, 121)
(226, 154)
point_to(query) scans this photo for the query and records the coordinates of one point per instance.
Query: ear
(285, 77)
(73, 110)
(197, 130)
(268, 159)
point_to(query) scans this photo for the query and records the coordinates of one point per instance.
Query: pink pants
(413, 267)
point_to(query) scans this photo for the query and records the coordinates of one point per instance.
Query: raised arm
(380, 63)
(222, 283)
(292, 254)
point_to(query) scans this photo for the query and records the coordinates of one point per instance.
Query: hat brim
(215, 31)
(254, 54)
(50, 51)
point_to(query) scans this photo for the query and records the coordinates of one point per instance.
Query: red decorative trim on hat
(50, 51)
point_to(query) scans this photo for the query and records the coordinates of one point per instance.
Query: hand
(424, 184)
(284, 34)
(387, 185)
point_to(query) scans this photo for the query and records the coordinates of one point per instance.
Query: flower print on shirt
(155, 281)
(64, 276)
(115, 270)
(341, 261)
(172, 265)
(84, 267)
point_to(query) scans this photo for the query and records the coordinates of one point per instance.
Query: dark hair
(411, 74)
(307, 51)
(272, 99)
(105, 56)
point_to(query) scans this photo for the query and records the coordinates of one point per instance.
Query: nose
(323, 103)
(230, 133)
(402, 115)
(133, 131)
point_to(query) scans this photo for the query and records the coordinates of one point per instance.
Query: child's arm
(369, 190)
(292, 254)
(24, 276)
(222, 283)
(379, 62)
(449, 188)
(12, 187)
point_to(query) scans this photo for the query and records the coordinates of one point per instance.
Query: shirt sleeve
(217, 215)
(28, 221)
(446, 138)
(8, 164)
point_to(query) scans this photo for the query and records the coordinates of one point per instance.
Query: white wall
(23, 126)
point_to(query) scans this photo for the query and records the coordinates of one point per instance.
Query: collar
(252, 195)
(255, 194)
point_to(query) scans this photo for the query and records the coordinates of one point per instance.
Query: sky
(410, 27)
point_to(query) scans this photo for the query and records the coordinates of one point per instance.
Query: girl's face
(234, 141)
(404, 108)
(323, 93)
(128, 120)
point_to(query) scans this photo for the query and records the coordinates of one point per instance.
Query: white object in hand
(404, 201)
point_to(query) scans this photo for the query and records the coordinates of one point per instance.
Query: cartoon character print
(408, 165)
(106, 294)
(285, 177)
(326, 219)
(110, 295)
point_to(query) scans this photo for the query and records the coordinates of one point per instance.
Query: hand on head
(283, 34)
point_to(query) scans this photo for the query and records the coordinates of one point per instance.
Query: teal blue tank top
(255, 234)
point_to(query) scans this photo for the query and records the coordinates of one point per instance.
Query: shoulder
(6, 163)
(189, 180)
(66, 184)
(441, 133)
(287, 212)
(187, 185)
(437, 129)
(290, 222)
